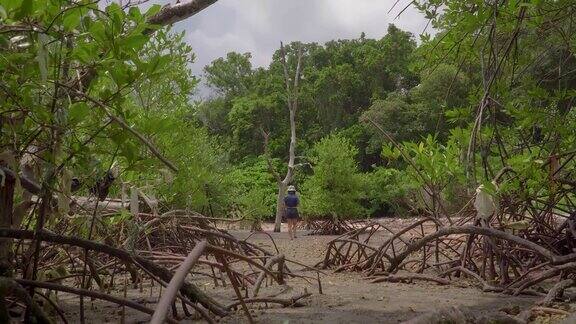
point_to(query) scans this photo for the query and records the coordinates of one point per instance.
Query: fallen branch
(557, 291)
(178, 279)
(174, 13)
(410, 277)
(284, 302)
(272, 261)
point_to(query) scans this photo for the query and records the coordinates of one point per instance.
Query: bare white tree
(292, 99)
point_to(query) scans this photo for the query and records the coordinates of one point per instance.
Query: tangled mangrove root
(512, 252)
(174, 251)
(330, 226)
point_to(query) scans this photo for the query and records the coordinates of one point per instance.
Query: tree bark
(280, 205)
(174, 13)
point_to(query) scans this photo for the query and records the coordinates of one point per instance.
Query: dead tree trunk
(292, 95)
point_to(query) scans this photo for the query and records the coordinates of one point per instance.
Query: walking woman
(291, 202)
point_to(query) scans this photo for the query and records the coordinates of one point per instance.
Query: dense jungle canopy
(381, 124)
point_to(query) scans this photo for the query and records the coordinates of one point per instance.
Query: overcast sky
(258, 26)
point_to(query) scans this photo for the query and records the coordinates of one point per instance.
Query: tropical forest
(300, 175)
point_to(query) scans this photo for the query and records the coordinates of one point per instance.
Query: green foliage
(412, 115)
(108, 66)
(230, 76)
(254, 188)
(66, 67)
(340, 79)
(386, 191)
(336, 187)
(505, 99)
(201, 182)
(163, 109)
(401, 119)
(433, 169)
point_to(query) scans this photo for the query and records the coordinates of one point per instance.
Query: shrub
(336, 187)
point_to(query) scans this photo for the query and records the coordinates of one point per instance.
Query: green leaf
(77, 112)
(135, 14)
(158, 63)
(85, 52)
(135, 42)
(388, 152)
(71, 19)
(25, 9)
(98, 31)
(153, 10)
(10, 5)
(119, 137)
(113, 8)
(3, 43)
(119, 73)
(489, 188)
(130, 151)
(3, 14)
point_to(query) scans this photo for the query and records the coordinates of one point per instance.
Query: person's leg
(294, 226)
(291, 228)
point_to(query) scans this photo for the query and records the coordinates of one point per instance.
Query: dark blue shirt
(291, 201)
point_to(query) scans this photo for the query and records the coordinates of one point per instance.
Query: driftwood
(410, 278)
(290, 302)
(557, 291)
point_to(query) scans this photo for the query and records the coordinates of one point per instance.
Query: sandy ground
(346, 298)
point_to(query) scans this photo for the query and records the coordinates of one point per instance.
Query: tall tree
(292, 87)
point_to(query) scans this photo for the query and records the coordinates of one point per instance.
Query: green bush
(336, 187)
(385, 192)
(253, 189)
(200, 183)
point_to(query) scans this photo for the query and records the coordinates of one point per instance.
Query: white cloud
(258, 26)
